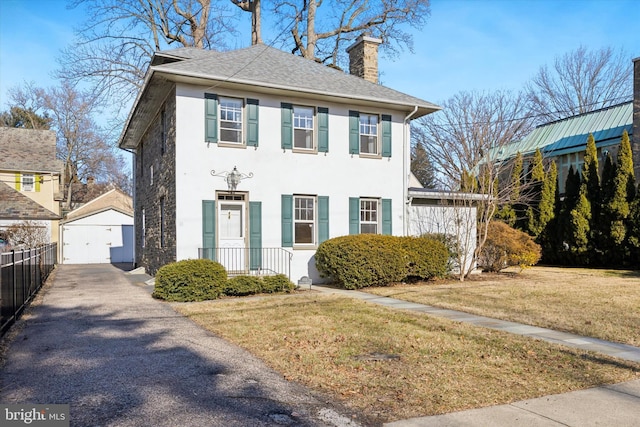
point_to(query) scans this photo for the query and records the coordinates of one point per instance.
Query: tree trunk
(312, 38)
(256, 37)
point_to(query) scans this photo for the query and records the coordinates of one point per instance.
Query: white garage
(99, 232)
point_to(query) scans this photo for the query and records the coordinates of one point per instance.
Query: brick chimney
(635, 139)
(363, 58)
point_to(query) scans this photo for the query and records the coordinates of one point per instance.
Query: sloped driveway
(99, 342)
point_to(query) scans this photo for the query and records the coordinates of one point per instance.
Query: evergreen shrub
(358, 261)
(190, 280)
(506, 246)
(239, 286)
(277, 283)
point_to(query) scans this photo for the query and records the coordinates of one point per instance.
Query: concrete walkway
(97, 341)
(615, 405)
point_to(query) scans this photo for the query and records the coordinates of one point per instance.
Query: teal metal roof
(570, 135)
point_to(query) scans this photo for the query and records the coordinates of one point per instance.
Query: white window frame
(28, 182)
(231, 114)
(300, 218)
(369, 130)
(304, 123)
(370, 215)
(151, 175)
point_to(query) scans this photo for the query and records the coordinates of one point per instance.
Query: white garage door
(97, 244)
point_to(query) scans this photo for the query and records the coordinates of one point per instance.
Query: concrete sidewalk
(98, 342)
(614, 405)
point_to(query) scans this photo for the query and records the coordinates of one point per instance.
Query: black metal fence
(22, 274)
(252, 261)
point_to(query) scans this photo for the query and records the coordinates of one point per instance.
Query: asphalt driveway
(95, 339)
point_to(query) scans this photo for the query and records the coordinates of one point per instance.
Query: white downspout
(406, 168)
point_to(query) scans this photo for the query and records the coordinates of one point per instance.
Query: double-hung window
(369, 216)
(303, 128)
(28, 182)
(231, 120)
(368, 134)
(304, 220)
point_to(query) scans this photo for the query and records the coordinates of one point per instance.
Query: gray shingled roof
(265, 69)
(40, 155)
(261, 65)
(16, 206)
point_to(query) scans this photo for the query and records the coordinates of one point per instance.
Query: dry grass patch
(603, 304)
(393, 364)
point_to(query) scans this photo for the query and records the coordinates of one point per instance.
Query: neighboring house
(30, 177)
(257, 155)
(100, 231)
(565, 140)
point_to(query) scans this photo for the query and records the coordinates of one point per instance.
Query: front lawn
(596, 303)
(391, 365)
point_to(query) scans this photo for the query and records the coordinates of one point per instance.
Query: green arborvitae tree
(570, 201)
(580, 231)
(607, 194)
(551, 238)
(547, 205)
(507, 212)
(535, 224)
(591, 180)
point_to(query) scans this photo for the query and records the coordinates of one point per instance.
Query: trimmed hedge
(190, 280)
(239, 286)
(505, 246)
(201, 279)
(362, 260)
(277, 283)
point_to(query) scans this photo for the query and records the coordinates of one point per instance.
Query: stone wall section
(155, 183)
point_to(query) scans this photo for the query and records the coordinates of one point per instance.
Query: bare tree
(465, 141)
(253, 7)
(580, 81)
(115, 45)
(85, 148)
(320, 29)
(28, 234)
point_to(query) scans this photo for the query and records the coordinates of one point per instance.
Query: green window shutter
(37, 183)
(255, 235)
(287, 221)
(354, 132)
(323, 129)
(287, 125)
(354, 215)
(386, 216)
(18, 181)
(386, 135)
(323, 218)
(211, 117)
(252, 122)
(209, 228)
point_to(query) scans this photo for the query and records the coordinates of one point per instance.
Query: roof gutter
(406, 168)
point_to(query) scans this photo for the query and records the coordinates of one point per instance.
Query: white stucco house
(253, 157)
